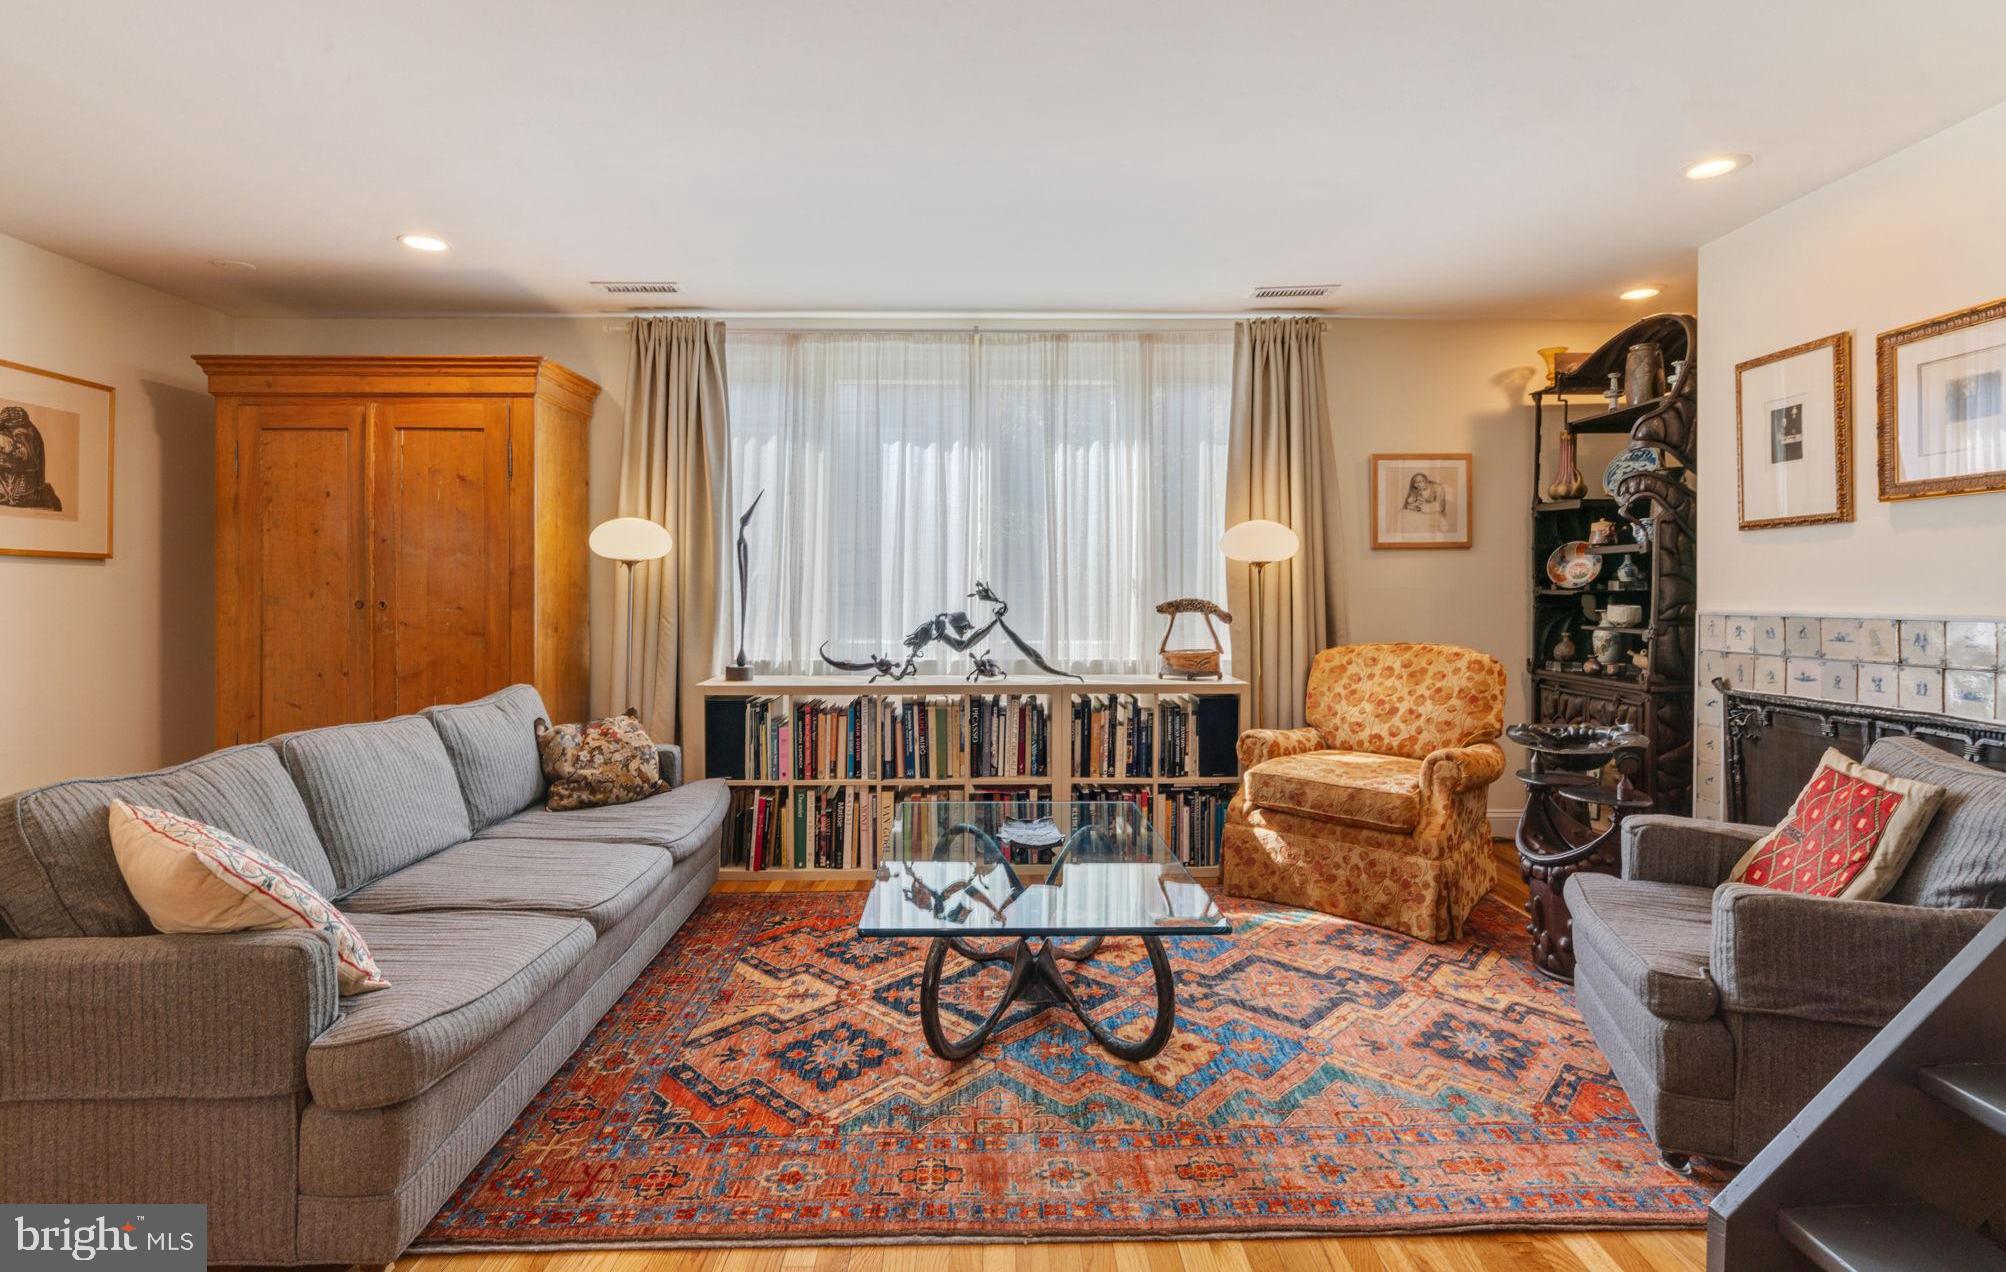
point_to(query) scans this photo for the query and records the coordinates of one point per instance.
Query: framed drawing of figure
(1421, 501)
(55, 464)
(1793, 434)
(1942, 404)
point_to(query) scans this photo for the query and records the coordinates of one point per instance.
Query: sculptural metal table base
(1036, 979)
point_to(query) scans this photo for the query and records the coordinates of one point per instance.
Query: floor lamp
(629, 541)
(1257, 544)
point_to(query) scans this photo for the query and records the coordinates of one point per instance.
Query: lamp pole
(627, 542)
(1258, 544)
(1259, 568)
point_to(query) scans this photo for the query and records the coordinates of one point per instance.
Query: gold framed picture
(1942, 404)
(1793, 434)
(55, 464)
(1421, 501)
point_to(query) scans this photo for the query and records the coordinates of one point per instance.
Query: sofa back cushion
(492, 744)
(1406, 700)
(1961, 861)
(381, 795)
(59, 877)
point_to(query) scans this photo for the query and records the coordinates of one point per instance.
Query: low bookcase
(818, 764)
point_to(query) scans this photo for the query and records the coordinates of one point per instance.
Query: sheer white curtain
(1082, 475)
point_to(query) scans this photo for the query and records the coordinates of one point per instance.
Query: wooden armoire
(393, 533)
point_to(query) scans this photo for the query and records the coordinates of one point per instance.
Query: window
(1082, 475)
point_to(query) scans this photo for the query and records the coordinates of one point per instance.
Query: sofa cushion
(492, 744)
(381, 795)
(600, 883)
(456, 981)
(1655, 939)
(1350, 788)
(683, 821)
(1961, 861)
(57, 873)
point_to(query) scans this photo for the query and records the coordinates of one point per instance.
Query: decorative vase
(1568, 483)
(1643, 373)
(1551, 356)
(1613, 395)
(1564, 649)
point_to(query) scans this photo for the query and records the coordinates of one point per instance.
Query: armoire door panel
(303, 652)
(440, 565)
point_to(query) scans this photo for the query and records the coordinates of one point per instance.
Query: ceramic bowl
(1636, 459)
(1573, 565)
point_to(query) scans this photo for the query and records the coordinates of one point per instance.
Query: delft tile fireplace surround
(1937, 666)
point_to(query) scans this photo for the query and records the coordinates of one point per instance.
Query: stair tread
(1912, 1238)
(1976, 1089)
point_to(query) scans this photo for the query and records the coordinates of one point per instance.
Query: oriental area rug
(765, 1082)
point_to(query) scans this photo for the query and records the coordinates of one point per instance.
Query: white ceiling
(1454, 157)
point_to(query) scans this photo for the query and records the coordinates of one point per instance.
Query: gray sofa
(1724, 1009)
(139, 1067)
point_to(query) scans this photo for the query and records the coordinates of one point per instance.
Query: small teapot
(1602, 531)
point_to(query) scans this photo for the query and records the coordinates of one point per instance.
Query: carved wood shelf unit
(1657, 702)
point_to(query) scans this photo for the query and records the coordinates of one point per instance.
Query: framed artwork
(55, 464)
(1942, 404)
(1421, 501)
(1793, 434)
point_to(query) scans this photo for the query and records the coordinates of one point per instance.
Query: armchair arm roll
(1257, 745)
(1815, 958)
(671, 757)
(1455, 769)
(1660, 848)
(144, 1017)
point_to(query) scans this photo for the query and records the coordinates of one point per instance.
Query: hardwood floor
(1621, 1251)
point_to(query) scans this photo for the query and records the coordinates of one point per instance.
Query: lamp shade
(1258, 542)
(629, 539)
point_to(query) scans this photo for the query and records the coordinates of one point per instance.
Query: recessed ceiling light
(1717, 166)
(422, 242)
(241, 267)
(1638, 293)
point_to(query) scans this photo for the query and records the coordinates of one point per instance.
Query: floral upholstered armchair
(1376, 810)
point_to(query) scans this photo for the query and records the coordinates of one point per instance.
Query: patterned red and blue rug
(765, 1081)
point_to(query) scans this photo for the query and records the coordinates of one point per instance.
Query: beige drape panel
(1281, 466)
(675, 468)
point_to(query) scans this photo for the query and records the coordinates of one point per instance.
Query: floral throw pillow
(1849, 835)
(192, 877)
(600, 762)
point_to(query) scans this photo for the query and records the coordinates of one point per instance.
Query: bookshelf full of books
(819, 765)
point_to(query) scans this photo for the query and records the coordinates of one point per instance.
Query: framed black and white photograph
(1794, 434)
(1421, 501)
(55, 464)
(1942, 404)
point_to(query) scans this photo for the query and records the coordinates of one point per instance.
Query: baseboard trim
(1504, 823)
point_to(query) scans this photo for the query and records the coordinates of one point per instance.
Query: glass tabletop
(961, 868)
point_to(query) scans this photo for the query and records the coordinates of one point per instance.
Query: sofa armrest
(1258, 745)
(1815, 958)
(671, 757)
(1659, 848)
(151, 1017)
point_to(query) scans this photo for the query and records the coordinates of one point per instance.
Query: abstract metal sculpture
(738, 670)
(954, 630)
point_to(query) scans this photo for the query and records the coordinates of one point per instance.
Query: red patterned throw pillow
(1849, 835)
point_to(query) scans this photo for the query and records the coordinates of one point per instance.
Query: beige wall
(1409, 385)
(596, 348)
(109, 665)
(1913, 236)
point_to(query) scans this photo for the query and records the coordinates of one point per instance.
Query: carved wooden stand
(1555, 843)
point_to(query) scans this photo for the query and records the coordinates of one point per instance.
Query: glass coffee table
(966, 875)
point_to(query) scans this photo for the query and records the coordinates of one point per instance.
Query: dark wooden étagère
(1656, 701)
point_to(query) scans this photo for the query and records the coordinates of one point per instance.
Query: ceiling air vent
(638, 289)
(1297, 291)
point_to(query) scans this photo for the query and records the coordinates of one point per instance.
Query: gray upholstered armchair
(1724, 1008)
